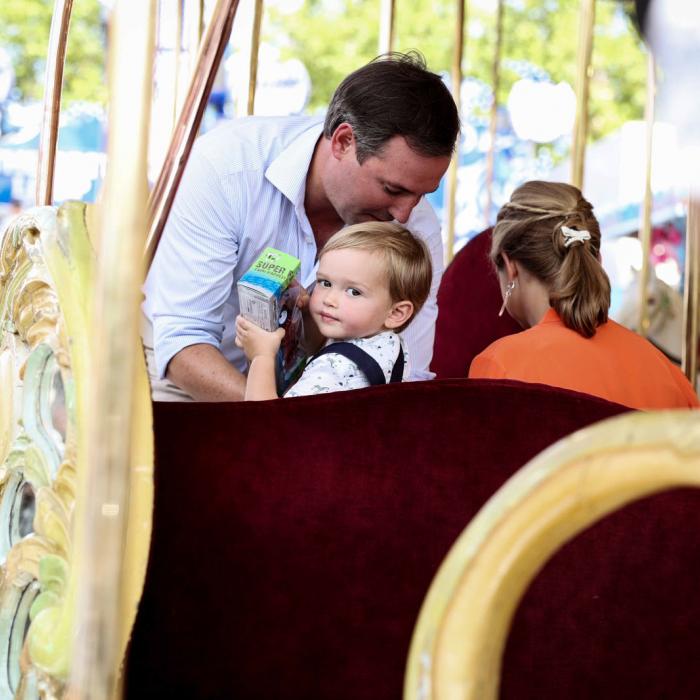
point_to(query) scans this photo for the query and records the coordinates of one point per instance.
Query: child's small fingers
(238, 342)
(280, 333)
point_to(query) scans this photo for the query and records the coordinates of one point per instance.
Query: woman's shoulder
(511, 353)
(630, 340)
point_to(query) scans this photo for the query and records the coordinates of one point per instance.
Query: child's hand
(255, 341)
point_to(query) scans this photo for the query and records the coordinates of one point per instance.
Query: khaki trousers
(161, 389)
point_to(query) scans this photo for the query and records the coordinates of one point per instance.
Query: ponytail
(580, 293)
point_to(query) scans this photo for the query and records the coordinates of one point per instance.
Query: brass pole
(101, 514)
(200, 21)
(177, 56)
(495, 82)
(48, 140)
(645, 223)
(254, 55)
(211, 51)
(583, 76)
(451, 191)
(387, 19)
(691, 295)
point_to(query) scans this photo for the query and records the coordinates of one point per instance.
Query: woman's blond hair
(407, 260)
(529, 230)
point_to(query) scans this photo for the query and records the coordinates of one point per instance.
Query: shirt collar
(289, 169)
(550, 317)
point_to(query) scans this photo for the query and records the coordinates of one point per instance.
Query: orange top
(615, 364)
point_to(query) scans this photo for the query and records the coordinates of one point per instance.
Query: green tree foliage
(333, 37)
(24, 32)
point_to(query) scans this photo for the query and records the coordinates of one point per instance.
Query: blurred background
(308, 46)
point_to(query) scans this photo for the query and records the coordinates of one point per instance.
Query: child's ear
(399, 314)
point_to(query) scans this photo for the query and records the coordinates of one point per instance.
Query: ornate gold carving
(46, 262)
(37, 487)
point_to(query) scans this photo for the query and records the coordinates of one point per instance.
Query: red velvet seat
(294, 541)
(468, 302)
(616, 613)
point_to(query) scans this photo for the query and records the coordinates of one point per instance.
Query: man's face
(386, 186)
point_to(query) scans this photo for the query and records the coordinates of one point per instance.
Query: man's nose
(402, 210)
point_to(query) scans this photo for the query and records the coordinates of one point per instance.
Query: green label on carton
(273, 270)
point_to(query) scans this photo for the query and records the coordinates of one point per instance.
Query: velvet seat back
(468, 302)
(294, 541)
(616, 612)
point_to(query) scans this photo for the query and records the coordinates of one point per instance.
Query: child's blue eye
(354, 292)
(323, 283)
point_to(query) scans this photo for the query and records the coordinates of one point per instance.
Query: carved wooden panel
(46, 263)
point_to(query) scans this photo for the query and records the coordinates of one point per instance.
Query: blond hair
(529, 230)
(407, 260)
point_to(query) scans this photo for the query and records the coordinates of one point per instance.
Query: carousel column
(583, 76)
(58, 38)
(110, 397)
(210, 54)
(254, 55)
(451, 190)
(387, 25)
(691, 296)
(177, 56)
(495, 83)
(645, 224)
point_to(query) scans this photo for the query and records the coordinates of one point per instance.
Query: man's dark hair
(395, 95)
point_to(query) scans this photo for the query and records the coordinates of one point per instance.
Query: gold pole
(495, 82)
(254, 55)
(211, 51)
(451, 192)
(48, 140)
(200, 20)
(583, 76)
(177, 56)
(691, 295)
(645, 224)
(387, 20)
(110, 397)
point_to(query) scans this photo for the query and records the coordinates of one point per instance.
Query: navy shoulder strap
(397, 372)
(365, 362)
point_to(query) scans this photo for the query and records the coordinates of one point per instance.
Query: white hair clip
(571, 235)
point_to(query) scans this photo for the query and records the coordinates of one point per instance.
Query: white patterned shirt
(334, 372)
(243, 189)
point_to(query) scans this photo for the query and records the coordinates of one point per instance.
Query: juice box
(260, 289)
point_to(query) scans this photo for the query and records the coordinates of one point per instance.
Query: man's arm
(205, 374)
(189, 282)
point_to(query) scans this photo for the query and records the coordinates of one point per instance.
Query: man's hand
(255, 341)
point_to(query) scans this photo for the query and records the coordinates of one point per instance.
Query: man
(290, 183)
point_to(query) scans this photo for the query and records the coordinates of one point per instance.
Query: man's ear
(342, 141)
(399, 314)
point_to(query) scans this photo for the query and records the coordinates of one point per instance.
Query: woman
(546, 251)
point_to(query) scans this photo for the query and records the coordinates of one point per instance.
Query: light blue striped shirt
(243, 190)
